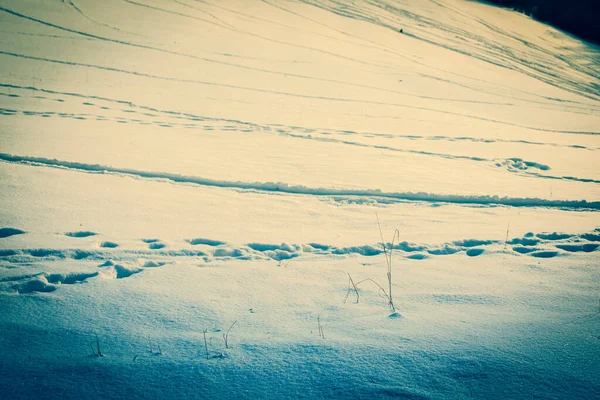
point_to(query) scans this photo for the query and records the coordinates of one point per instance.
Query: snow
(175, 171)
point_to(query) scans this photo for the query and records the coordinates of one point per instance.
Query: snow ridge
(280, 187)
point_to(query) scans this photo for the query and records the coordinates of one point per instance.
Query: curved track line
(304, 96)
(285, 188)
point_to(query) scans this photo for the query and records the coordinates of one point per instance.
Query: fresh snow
(177, 173)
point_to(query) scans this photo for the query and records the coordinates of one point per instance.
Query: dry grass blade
(205, 343)
(351, 282)
(321, 333)
(381, 289)
(226, 335)
(388, 260)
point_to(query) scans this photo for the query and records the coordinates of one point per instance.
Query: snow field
(176, 169)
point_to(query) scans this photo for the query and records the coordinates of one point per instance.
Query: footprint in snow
(80, 234)
(46, 283)
(418, 256)
(6, 232)
(154, 244)
(573, 248)
(151, 264)
(207, 242)
(475, 252)
(544, 254)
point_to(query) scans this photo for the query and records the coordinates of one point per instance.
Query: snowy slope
(168, 167)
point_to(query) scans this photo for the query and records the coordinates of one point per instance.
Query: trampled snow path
(172, 172)
(122, 262)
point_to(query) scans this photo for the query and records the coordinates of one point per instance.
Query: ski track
(237, 30)
(45, 35)
(279, 187)
(284, 132)
(587, 109)
(290, 94)
(119, 263)
(254, 18)
(205, 59)
(77, 9)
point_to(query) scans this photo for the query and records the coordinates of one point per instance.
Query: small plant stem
(388, 260)
(355, 289)
(205, 343)
(506, 239)
(321, 333)
(226, 335)
(98, 347)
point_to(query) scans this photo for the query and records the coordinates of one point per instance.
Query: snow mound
(475, 252)
(119, 271)
(151, 264)
(39, 284)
